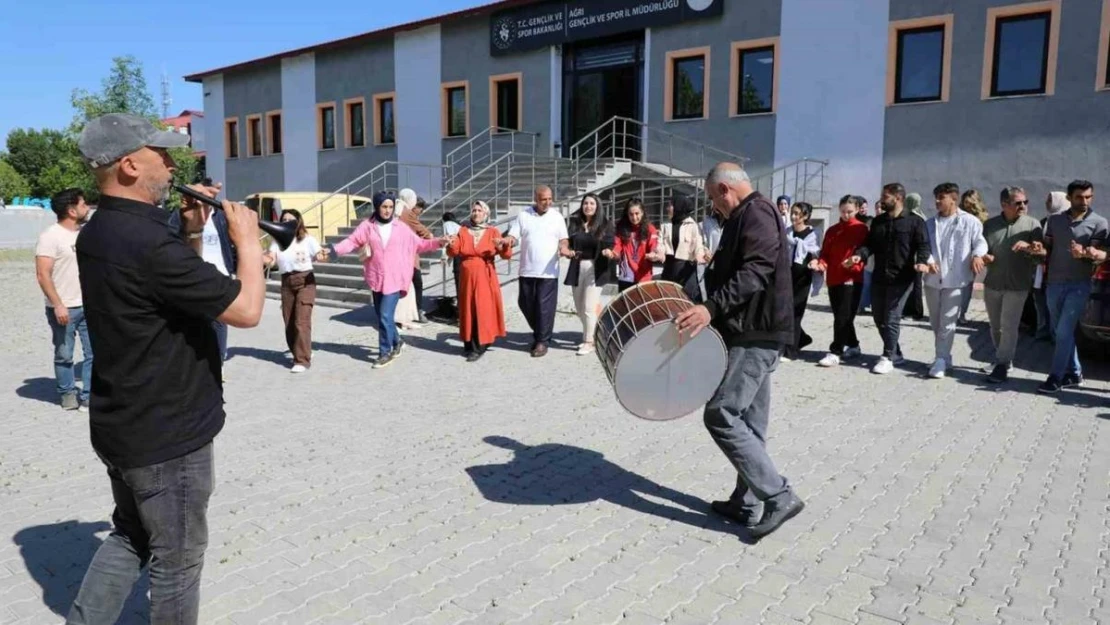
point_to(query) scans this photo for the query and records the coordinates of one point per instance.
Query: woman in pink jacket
(387, 268)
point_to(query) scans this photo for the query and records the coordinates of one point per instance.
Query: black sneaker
(735, 512)
(776, 512)
(70, 402)
(999, 375)
(1051, 386)
(384, 361)
(398, 347)
(1072, 380)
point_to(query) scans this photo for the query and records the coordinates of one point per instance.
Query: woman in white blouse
(298, 289)
(803, 241)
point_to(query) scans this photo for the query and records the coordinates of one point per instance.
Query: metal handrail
(478, 152)
(450, 196)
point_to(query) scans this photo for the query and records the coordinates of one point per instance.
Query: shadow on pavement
(41, 389)
(265, 355)
(57, 555)
(552, 474)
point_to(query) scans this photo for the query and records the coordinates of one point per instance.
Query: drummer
(750, 302)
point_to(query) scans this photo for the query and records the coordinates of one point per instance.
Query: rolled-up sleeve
(183, 281)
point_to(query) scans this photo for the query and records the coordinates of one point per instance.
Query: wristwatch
(192, 236)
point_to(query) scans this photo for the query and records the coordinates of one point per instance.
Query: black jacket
(750, 291)
(897, 243)
(589, 246)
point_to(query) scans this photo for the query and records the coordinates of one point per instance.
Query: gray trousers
(737, 416)
(1004, 309)
(944, 311)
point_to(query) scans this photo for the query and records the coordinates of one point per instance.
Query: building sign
(553, 23)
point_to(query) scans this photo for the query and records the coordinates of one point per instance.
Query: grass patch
(27, 255)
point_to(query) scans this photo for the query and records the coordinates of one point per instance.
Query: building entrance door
(602, 80)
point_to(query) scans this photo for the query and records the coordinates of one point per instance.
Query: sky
(51, 47)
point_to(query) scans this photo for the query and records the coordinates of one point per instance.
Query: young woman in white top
(682, 244)
(298, 289)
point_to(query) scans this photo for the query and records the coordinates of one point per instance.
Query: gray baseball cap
(109, 138)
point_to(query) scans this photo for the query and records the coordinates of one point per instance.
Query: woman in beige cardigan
(682, 246)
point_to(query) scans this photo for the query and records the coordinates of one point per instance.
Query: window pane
(386, 116)
(358, 131)
(920, 64)
(275, 134)
(255, 136)
(508, 110)
(456, 112)
(689, 88)
(329, 127)
(757, 80)
(233, 140)
(1020, 55)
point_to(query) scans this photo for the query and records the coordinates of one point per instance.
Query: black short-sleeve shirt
(149, 303)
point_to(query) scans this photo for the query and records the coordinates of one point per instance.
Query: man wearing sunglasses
(1010, 237)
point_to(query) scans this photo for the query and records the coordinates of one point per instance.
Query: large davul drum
(657, 374)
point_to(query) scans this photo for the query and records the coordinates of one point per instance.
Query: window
(506, 106)
(754, 79)
(231, 137)
(687, 85)
(455, 120)
(919, 60)
(325, 125)
(1102, 80)
(254, 135)
(273, 132)
(355, 110)
(1020, 50)
(384, 132)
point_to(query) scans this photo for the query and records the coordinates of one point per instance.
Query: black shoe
(1072, 380)
(999, 375)
(776, 512)
(539, 351)
(735, 512)
(474, 356)
(384, 361)
(1051, 386)
(398, 347)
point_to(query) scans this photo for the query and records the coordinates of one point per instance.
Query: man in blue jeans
(56, 270)
(157, 400)
(751, 304)
(1071, 240)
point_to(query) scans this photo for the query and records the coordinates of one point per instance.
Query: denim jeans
(1066, 303)
(888, 301)
(384, 306)
(161, 518)
(865, 292)
(221, 338)
(737, 417)
(64, 339)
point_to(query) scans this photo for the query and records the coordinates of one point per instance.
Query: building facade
(984, 93)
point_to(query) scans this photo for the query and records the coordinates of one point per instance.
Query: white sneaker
(850, 353)
(585, 349)
(298, 369)
(830, 360)
(987, 368)
(883, 367)
(937, 370)
(785, 359)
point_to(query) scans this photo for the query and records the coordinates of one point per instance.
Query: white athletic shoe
(883, 367)
(830, 360)
(298, 369)
(937, 370)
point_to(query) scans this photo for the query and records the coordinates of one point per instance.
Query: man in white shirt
(217, 250)
(543, 238)
(956, 250)
(56, 270)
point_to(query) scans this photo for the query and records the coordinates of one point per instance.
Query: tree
(11, 183)
(33, 153)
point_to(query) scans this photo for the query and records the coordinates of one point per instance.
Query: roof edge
(381, 32)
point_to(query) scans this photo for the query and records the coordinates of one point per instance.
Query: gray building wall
(466, 56)
(1037, 142)
(252, 91)
(360, 70)
(753, 136)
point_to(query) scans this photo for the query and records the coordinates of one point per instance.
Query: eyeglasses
(1022, 203)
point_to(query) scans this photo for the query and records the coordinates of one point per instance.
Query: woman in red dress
(481, 312)
(635, 246)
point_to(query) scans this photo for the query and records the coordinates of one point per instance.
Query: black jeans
(537, 300)
(887, 303)
(418, 287)
(161, 518)
(844, 300)
(737, 417)
(802, 279)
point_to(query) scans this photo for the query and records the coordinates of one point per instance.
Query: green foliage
(48, 161)
(11, 183)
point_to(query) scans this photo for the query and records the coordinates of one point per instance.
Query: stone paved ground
(516, 491)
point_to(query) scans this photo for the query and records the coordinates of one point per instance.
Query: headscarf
(469, 223)
(1057, 202)
(408, 196)
(379, 198)
(783, 197)
(913, 204)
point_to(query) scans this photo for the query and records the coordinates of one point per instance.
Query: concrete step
(355, 298)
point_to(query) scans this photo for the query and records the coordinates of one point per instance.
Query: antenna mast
(166, 99)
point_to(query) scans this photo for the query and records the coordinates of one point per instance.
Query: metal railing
(803, 180)
(623, 138)
(481, 150)
(338, 209)
(492, 184)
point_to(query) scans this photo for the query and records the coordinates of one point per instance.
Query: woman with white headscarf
(481, 309)
(1056, 202)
